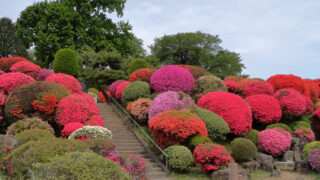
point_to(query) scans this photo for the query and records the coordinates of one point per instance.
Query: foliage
(71, 83)
(315, 123)
(258, 87)
(140, 108)
(44, 73)
(134, 91)
(305, 133)
(174, 127)
(197, 140)
(26, 124)
(180, 158)
(32, 135)
(93, 90)
(136, 64)
(232, 108)
(291, 101)
(143, 74)
(243, 149)
(207, 84)
(6, 63)
(95, 120)
(101, 97)
(172, 78)
(314, 159)
(91, 132)
(310, 146)
(66, 61)
(6, 168)
(280, 125)
(11, 81)
(121, 88)
(103, 147)
(113, 87)
(196, 71)
(27, 68)
(252, 135)
(70, 128)
(211, 156)
(299, 124)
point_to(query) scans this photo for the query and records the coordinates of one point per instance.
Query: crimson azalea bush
(291, 101)
(95, 120)
(121, 88)
(274, 141)
(258, 87)
(315, 123)
(232, 86)
(143, 74)
(6, 63)
(174, 127)
(211, 156)
(139, 109)
(244, 82)
(11, 81)
(305, 133)
(70, 128)
(196, 71)
(26, 67)
(317, 81)
(113, 87)
(2, 72)
(44, 73)
(101, 97)
(310, 107)
(314, 89)
(71, 83)
(265, 109)
(232, 108)
(170, 100)
(172, 78)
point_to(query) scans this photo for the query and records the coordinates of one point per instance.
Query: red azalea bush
(11, 81)
(6, 63)
(2, 99)
(274, 141)
(282, 81)
(232, 108)
(317, 81)
(243, 82)
(303, 132)
(196, 71)
(26, 67)
(310, 107)
(46, 104)
(143, 74)
(211, 156)
(121, 88)
(317, 105)
(101, 97)
(95, 120)
(174, 127)
(2, 72)
(315, 123)
(66, 80)
(258, 87)
(232, 86)
(70, 128)
(235, 79)
(172, 78)
(44, 73)
(113, 87)
(265, 109)
(291, 101)
(314, 89)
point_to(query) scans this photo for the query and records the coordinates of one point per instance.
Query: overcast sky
(272, 36)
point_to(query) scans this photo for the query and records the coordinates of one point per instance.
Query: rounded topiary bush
(243, 149)
(232, 86)
(265, 109)
(196, 140)
(315, 123)
(113, 87)
(310, 146)
(314, 159)
(95, 120)
(136, 64)
(180, 158)
(274, 141)
(314, 89)
(196, 71)
(103, 147)
(280, 125)
(217, 127)
(252, 135)
(43, 74)
(306, 133)
(11, 81)
(91, 132)
(299, 124)
(139, 109)
(101, 97)
(121, 88)
(207, 84)
(26, 67)
(70, 128)
(170, 100)
(172, 78)
(26, 124)
(71, 83)
(232, 108)
(66, 61)
(7, 62)
(134, 91)
(93, 90)
(291, 101)
(32, 135)
(174, 127)
(142, 75)
(258, 87)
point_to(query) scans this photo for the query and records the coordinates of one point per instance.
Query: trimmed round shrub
(291, 101)
(136, 64)
(142, 75)
(196, 71)
(280, 125)
(43, 74)
(243, 149)
(232, 108)
(174, 127)
(243, 83)
(252, 135)
(315, 123)
(196, 140)
(91, 132)
(70, 128)
(274, 141)
(258, 87)
(265, 109)
(26, 67)
(314, 159)
(6, 63)
(180, 158)
(79, 165)
(170, 100)
(66, 61)
(121, 88)
(231, 86)
(32, 135)
(93, 90)
(299, 124)
(314, 89)
(305, 133)
(207, 84)
(95, 120)
(27, 124)
(310, 146)
(103, 147)
(310, 108)
(71, 83)
(113, 87)
(217, 127)
(41, 151)
(211, 156)
(134, 91)
(172, 78)
(11, 81)
(235, 79)
(139, 109)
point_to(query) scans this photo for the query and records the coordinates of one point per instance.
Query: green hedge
(280, 125)
(134, 91)
(243, 149)
(252, 135)
(66, 61)
(196, 140)
(180, 158)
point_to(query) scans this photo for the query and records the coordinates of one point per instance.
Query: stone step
(138, 149)
(129, 144)
(122, 141)
(142, 153)
(286, 166)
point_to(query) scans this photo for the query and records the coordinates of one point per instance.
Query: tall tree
(10, 44)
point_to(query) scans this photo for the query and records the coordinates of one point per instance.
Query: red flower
(46, 104)
(142, 75)
(101, 97)
(258, 87)
(95, 120)
(6, 63)
(314, 89)
(291, 101)
(196, 71)
(232, 86)
(11, 81)
(70, 128)
(120, 89)
(26, 67)
(66, 80)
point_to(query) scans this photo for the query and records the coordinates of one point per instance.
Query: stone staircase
(126, 141)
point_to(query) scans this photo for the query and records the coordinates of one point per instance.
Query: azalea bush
(180, 158)
(95, 120)
(11, 81)
(7, 62)
(305, 133)
(32, 135)
(121, 88)
(6, 168)
(314, 89)
(101, 146)
(232, 86)
(101, 97)
(142, 75)
(314, 159)
(134, 91)
(70, 128)
(207, 84)
(26, 124)
(113, 87)
(91, 132)
(280, 125)
(310, 146)
(196, 71)
(70, 82)
(139, 109)
(26, 67)
(44, 73)
(252, 135)
(291, 101)
(197, 140)
(243, 150)
(258, 87)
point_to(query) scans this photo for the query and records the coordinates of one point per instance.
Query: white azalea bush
(91, 132)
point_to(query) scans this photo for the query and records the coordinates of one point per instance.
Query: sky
(271, 36)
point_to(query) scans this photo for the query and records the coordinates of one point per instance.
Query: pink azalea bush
(314, 159)
(70, 82)
(303, 132)
(44, 73)
(11, 81)
(113, 87)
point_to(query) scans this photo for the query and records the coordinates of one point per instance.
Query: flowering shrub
(44, 73)
(28, 123)
(134, 91)
(101, 97)
(258, 87)
(26, 67)
(180, 158)
(274, 141)
(243, 150)
(91, 102)
(113, 87)
(211, 156)
(71, 83)
(46, 104)
(309, 146)
(315, 123)
(139, 109)
(91, 132)
(305, 133)
(11, 81)
(2, 99)
(280, 125)
(291, 101)
(121, 88)
(170, 100)
(70, 128)
(196, 71)
(174, 127)
(207, 84)
(314, 89)
(232, 86)
(235, 79)
(300, 124)
(172, 78)
(6, 168)
(95, 120)
(103, 147)
(314, 159)
(232, 108)
(6, 63)
(141, 75)
(196, 140)
(244, 82)
(310, 108)
(265, 109)
(252, 135)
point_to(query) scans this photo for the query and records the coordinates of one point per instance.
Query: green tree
(66, 61)
(10, 44)
(136, 64)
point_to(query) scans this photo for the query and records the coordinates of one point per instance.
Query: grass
(193, 174)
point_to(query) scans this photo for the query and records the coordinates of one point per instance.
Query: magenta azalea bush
(170, 101)
(314, 159)
(172, 78)
(304, 132)
(44, 73)
(113, 87)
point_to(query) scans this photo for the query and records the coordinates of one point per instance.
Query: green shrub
(309, 146)
(7, 141)
(94, 91)
(66, 61)
(79, 165)
(252, 135)
(299, 124)
(41, 151)
(180, 158)
(134, 91)
(207, 84)
(136, 64)
(217, 127)
(91, 132)
(32, 135)
(280, 125)
(196, 140)
(103, 147)
(243, 149)
(28, 123)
